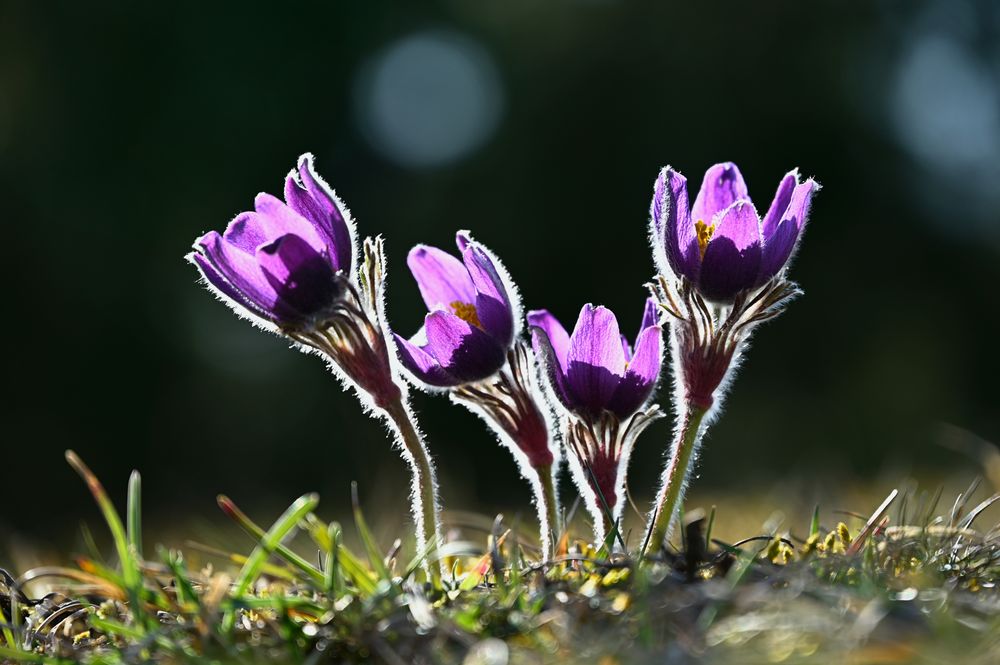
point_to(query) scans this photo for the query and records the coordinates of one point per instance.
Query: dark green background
(127, 131)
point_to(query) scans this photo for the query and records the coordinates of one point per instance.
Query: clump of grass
(907, 584)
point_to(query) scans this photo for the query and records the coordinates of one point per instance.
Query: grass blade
(131, 575)
(371, 547)
(284, 526)
(331, 564)
(133, 514)
(860, 539)
(248, 525)
(814, 524)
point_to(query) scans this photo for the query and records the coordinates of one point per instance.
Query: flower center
(704, 232)
(467, 313)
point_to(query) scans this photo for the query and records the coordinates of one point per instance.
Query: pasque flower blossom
(278, 262)
(469, 346)
(721, 273)
(720, 244)
(470, 324)
(290, 266)
(601, 385)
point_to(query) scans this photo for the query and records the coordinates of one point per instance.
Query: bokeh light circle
(429, 99)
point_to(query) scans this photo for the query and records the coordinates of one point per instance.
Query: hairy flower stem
(547, 505)
(675, 477)
(511, 405)
(423, 480)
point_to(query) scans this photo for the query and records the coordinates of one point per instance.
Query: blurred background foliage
(128, 129)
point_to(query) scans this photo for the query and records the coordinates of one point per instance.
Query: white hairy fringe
(397, 374)
(583, 487)
(546, 378)
(680, 401)
(247, 312)
(513, 293)
(528, 472)
(521, 459)
(352, 227)
(680, 398)
(243, 311)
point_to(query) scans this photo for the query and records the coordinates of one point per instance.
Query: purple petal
(641, 374)
(240, 269)
(722, 186)
(627, 348)
(250, 230)
(596, 360)
(492, 303)
(551, 344)
(554, 332)
(672, 227)
(311, 197)
(779, 246)
(281, 220)
(650, 314)
(733, 256)
(423, 365)
(301, 276)
(442, 278)
(223, 287)
(650, 317)
(781, 200)
(463, 350)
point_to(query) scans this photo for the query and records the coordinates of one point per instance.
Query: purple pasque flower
(279, 262)
(470, 325)
(600, 384)
(596, 369)
(720, 244)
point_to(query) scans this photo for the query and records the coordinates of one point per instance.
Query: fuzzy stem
(674, 479)
(547, 505)
(423, 481)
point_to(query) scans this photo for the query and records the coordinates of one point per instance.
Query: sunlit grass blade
(353, 567)
(109, 579)
(132, 633)
(279, 572)
(482, 567)
(613, 533)
(975, 512)
(367, 539)
(133, 514)
(132, 577)
(432, 547)
(814, 524)
(331, 562)
(962, 500)
(932, 507)
(711, 524)
(284, 526)
(350, 564)
(8, 634)
(860, 539)
(15, 656)
(248, 525)
(186, 594)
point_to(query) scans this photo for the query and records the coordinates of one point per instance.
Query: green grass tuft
(922, 588)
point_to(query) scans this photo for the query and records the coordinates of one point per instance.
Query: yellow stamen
(704, 232)
(467, 313)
